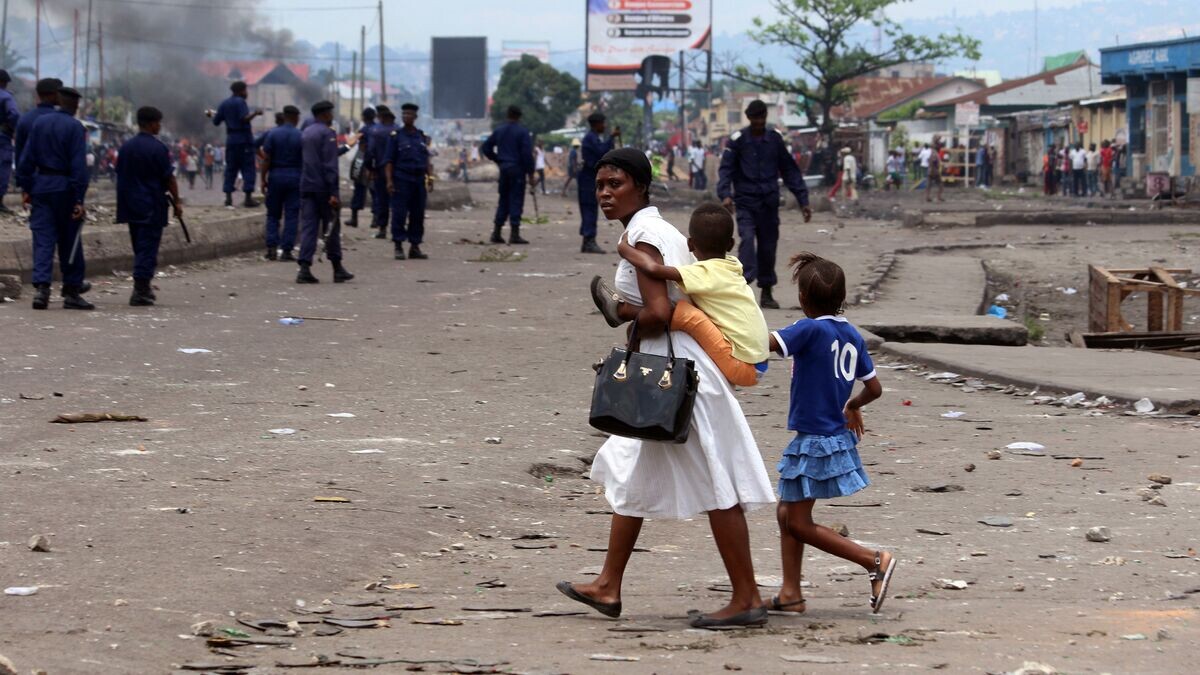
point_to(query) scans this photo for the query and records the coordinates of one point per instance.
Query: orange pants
(689, 319)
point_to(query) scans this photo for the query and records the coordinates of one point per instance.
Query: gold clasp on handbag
(646, 371)
(621, 375)
(665, 381)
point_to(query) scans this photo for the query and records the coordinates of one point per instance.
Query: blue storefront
(1162, 117)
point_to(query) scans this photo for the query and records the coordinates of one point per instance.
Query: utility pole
(382, 73)
(4, 33)
(683, 130)
(37, 49)
(75, 52)
(87, 54)
(100, 53)
(353, 81)
(362, 66)
(337, 65)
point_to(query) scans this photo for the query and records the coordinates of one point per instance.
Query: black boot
(272, 254)
(400, 251)
(142, 295)
(250, 202)
(590, 246)
(41, 296)
(497, 237)
(515, 235)
(305, 275)
(72, 299)
(382, 233)
(340, 274)
(228, 199)
(767, 301)
(414, 252)
(353, 218)
(287, 256)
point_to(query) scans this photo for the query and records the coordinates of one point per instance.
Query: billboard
(632, 43)
(512, 50)
(460, 88)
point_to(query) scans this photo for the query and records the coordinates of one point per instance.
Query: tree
(545, 94)
(825, 37)
(622, 110)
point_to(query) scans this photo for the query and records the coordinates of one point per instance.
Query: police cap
(321, 107)
(47, 86)
(291, 110)
(410, 106)
(69, 92)
(756, 109)
(5, 78)
(596, 118)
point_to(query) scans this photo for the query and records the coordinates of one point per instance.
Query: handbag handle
(633, 339)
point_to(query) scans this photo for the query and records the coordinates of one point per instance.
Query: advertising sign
(966, 114)
(632, 43)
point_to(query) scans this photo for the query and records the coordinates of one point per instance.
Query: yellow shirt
(718, 288)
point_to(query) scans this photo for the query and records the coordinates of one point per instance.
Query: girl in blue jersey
(821, 462)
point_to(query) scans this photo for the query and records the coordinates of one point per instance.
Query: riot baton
(186, 235)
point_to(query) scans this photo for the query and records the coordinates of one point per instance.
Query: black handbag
(644, 396)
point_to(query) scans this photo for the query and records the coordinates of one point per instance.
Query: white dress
(720, 465)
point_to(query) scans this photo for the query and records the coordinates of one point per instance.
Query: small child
(725, 319)
(821, 462)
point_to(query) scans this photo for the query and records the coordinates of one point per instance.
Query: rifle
(537, 214)
(186, 235)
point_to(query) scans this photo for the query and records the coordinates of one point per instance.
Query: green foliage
(903, 112)
(545, 95)
(622, 110)
(1036, 330)
(117, 110)
(820, 34)
(898, 138)
(11, 60)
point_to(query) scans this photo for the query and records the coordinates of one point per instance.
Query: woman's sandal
(751, 618)
(882, 575)
(774, 605)
(610, 609)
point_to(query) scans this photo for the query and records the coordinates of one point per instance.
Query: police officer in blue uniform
(754, 160)
(47, 95)
(53, 167)
(377, 147)
(236, 115)
(144, 178)
(407, 169)
(511, 147)
(281, 178)
(319, 200)
(362, 186)
(595, 144)
(9, 117)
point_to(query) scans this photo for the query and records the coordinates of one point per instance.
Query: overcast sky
(410, 24)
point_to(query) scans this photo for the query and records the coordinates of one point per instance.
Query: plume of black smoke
(152, 53)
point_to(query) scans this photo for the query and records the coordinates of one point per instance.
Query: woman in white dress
(719, 471)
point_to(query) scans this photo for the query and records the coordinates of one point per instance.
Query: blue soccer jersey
(828, 355)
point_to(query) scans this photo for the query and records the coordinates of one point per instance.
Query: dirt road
(450, 416)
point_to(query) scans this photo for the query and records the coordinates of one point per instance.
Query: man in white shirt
(1093, 171)
(539, 166)
(696, 166)
(923, 157)
(1079, 171)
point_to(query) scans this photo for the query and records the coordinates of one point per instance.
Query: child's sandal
(774, 605)
(882, 575)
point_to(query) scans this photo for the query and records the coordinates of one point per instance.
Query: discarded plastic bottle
(291, 320)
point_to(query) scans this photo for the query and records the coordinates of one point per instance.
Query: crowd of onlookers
(1083, 172)
(191, 161)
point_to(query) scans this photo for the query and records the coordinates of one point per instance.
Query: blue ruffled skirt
(820, 467)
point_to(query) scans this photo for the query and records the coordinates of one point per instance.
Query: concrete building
(1162, 99)
(272, 85)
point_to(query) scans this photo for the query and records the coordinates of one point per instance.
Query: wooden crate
(1108, 288)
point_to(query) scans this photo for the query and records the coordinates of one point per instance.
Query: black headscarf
(630, 160)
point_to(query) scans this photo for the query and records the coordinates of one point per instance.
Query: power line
(242, 7)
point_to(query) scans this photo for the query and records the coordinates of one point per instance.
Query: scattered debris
(950, 584)
(341, 414)
(810, 658)
(21, 590)
(83, 418)
(493, 440)
(203, 629)
(193, 350)
(953, 414)
(1144, 406)
(997, 521)
(281, 432)
(969, 468)
(1134, 636)
(39, 544)
(1077, 462)
(840, 528)
(1156, 501)
(333, 500)
(938, 487)
(1098, 534)
(31, 397)
(1159, 478)
(936, 533)
(994, 454)
(1027, 448)
(613, 657)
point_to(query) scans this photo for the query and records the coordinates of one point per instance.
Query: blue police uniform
(358, 200)
(143, 172)
(511, 147)
(594, 148)
(239, 142)
(54, 158)
(9, 117)
(750, 171)
(283, 146)
(377, 146)
(408, 155)
(318, 182)
(24, 127)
